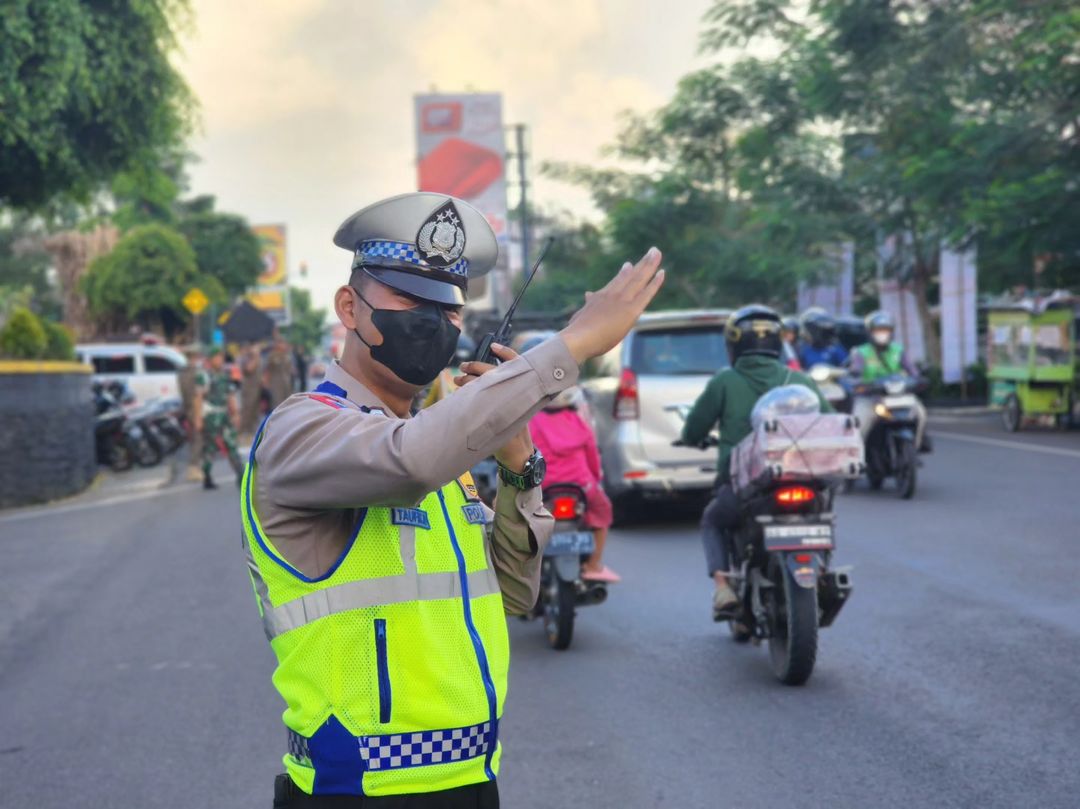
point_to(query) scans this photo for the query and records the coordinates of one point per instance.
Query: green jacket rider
(754, 345)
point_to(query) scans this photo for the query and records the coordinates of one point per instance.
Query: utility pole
(519, 130)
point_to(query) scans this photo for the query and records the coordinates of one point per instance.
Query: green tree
(86, 91)
(23, 337)
(949, 121)
(224, 244)
(308, 324)
(24, 264)
(144, 279)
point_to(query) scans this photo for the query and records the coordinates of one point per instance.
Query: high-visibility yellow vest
(878, 365)
(392, 664)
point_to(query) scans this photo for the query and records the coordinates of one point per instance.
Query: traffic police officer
(383, 582)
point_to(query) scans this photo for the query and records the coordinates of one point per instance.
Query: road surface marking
(999, 442)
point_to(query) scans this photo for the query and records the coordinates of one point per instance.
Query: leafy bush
(60, 345)
(23, 337)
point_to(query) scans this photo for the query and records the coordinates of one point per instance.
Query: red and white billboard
(461, 151)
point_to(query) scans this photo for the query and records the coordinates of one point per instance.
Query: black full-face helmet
(753, 329)
(818, 326)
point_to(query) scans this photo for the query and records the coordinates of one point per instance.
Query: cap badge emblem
(442, 238)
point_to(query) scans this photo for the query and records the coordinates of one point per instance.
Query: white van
(149, 371)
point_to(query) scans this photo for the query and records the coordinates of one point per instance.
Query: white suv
(639, 393)
(149, 371)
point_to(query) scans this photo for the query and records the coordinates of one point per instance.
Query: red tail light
(794, 495)
(626, 397)
(564, 508)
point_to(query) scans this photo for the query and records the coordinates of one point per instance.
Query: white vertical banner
(461, 151)
(836, 293)
(894, 263)
(959, 280)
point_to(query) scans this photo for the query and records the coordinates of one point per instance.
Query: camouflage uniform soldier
(216, 414)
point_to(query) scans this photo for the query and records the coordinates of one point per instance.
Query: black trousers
(475, 796)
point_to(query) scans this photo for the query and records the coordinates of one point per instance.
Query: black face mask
(417, 343)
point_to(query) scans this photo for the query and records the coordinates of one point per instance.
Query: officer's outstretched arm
(318, 455)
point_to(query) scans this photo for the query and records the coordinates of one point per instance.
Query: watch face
(539, 468)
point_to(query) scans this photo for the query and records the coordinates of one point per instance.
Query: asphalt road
(134, 672)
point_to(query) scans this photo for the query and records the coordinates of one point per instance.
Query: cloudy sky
(306, 105)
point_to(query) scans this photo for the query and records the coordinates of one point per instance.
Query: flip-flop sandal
(604, 574)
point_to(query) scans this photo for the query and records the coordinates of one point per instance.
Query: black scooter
(562, 590)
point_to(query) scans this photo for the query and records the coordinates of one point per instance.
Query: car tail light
(626, 397)
(794, 495)
(564, 508)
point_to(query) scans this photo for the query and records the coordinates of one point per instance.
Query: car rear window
(698, 350)
(158, 365)
(116, 364)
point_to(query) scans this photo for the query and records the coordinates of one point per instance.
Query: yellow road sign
(195, 301)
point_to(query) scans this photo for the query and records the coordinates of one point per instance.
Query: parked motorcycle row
(128, 434)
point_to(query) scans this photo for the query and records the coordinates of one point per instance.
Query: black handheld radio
(502, 334)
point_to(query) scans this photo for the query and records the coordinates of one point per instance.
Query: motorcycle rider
(568, 445)
(819, 345)
(753, 341)
(877, 359)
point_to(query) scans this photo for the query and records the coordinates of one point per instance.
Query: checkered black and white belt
(419, 749)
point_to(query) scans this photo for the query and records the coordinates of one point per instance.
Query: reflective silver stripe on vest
(355, 595)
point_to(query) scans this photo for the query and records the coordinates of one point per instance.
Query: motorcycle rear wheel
(120, 459)
(559, 614)
(146, 454)
(793, 618)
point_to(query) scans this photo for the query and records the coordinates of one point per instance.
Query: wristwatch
(528, 478)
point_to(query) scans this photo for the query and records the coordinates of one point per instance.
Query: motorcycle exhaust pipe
(593, 594)
(834, 590)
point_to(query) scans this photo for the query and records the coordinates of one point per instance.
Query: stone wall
(46, 431)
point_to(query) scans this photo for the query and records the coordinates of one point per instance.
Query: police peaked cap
(423, 244)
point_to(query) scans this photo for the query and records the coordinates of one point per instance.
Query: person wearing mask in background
(251, 377)
(569, 447)
(752, 334)
(280, 376)
(382, 581)
(877, 359)
(185, 380)
(819, 345)
(216, 413)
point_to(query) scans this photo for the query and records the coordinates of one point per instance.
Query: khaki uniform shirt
(318, 465)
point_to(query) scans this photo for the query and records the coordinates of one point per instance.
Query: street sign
(195, 301)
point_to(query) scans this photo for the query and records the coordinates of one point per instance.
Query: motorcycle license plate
(567, 542)
(813, 537)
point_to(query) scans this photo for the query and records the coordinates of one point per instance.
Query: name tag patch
(474, 514)
(415, 517)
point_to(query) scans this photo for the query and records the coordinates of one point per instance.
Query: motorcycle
(781, 546)
(118, 440)
(149, 445)
(562, 589)
(830, 381)
(783, 577)
(165, 416)
(890, 444)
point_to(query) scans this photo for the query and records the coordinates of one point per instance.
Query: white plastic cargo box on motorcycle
(813, 446)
